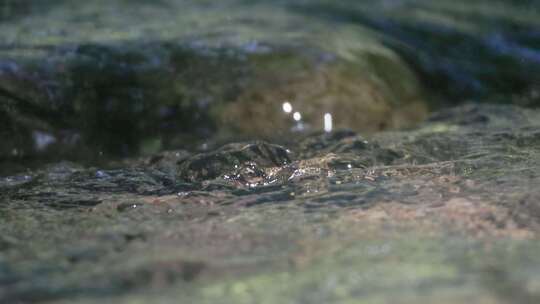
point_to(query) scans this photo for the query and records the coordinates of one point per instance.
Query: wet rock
(444, 212)
(435, 196)
(437, 40)
(122, 101)
(105, 92)
(368, 92)
(236, 161)
(127, 207)
(347, 143)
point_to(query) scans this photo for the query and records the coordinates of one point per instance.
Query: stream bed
(197, 151)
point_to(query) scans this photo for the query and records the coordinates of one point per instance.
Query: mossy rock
(369, 93)
(448, 210)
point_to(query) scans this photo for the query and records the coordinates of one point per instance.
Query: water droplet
(328, 122)
(127, 206)
(101, 174)
(287, 107)
(42, 140)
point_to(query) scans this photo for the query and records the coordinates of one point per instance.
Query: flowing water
(197, 151)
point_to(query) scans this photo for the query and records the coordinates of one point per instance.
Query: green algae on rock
(113, 97)
(444, 211)
(368, 92)
(113, 87)
(341, 219)
(117, 90)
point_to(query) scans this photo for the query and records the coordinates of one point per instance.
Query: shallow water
(183, 151)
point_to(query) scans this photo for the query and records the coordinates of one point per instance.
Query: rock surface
(447, 212)
(148, 154)
(191, 71)
(82, 81)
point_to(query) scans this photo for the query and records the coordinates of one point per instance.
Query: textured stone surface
(145, 156)
(445, 212)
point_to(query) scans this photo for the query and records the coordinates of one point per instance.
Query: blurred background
(97, 80)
